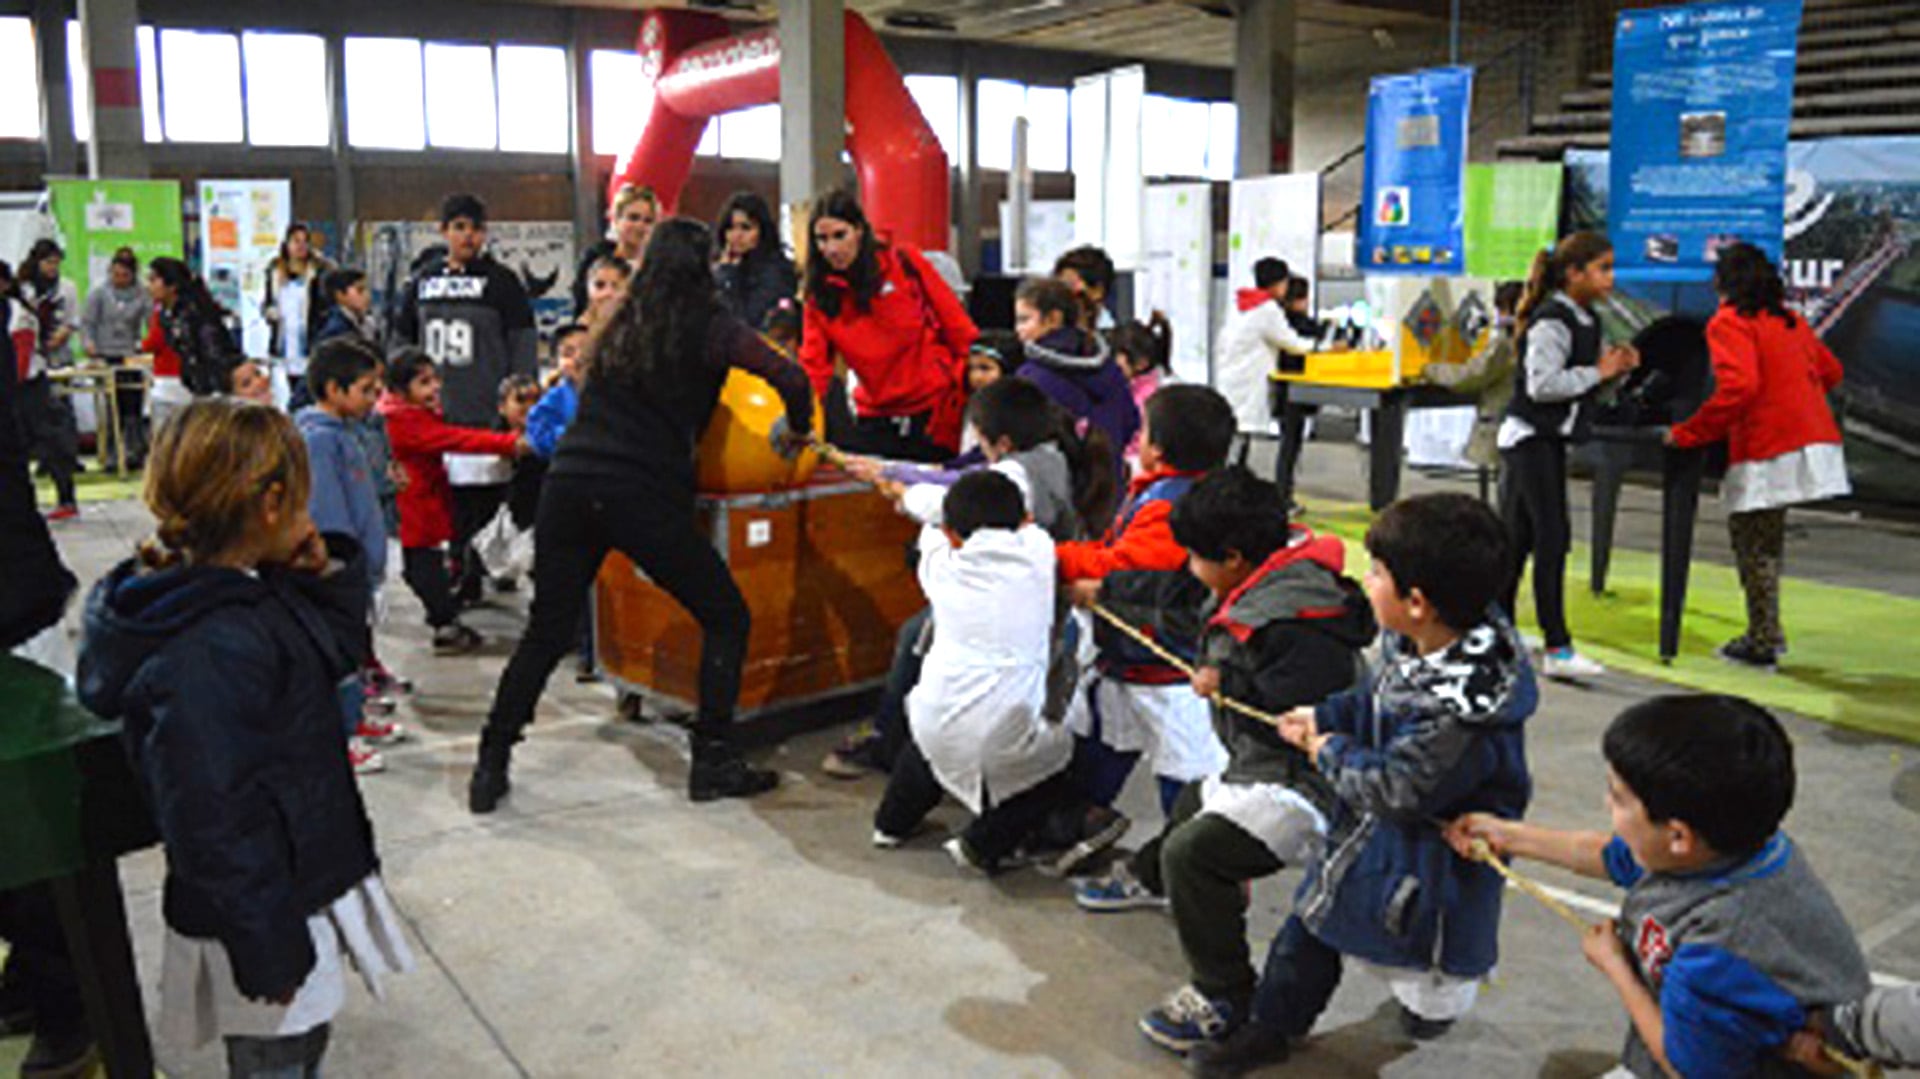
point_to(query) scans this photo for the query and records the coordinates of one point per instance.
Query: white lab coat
(1244, 358)
(976, 713)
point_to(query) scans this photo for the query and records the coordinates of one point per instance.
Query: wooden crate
(825, 572)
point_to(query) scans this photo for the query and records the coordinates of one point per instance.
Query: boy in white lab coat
(976, 720)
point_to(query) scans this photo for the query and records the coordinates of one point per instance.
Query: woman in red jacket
(1771, 380)
(899, 328)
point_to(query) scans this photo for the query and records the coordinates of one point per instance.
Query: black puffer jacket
(226, 682)
(749, 288)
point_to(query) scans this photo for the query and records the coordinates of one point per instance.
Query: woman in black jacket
(750, 263)
(623, 480)
(194, 325)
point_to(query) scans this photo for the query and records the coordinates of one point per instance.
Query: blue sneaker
(1118, 890)
(1186, 1019)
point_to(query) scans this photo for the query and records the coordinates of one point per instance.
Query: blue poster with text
(1702, 103)
(1412, 213)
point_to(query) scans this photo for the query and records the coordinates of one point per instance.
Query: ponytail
(1549, 273)
(1090, 465)
(1150, 341)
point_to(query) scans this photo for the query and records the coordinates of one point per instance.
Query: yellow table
(1357, 380)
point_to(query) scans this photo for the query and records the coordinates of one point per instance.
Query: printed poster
(1049, 233)
(1273, 216)
(541, 252)
(95, 218)
(1513, 213)
(1703, 102)
(1412, 213)
(1179, 273)
(241, 225)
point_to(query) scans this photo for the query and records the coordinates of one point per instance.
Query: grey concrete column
(1263, 76)
(345, 202)
(588, 224)
(56, 107)
(813, 97)
(969, 185)
(119, 146)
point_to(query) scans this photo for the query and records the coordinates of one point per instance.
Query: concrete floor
(600, 925)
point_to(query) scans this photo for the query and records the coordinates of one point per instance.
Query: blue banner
(1412, 212)
(1702, 104)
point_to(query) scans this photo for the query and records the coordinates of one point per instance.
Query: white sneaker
(1569, 666)
(886, 842)
(956, 849)
(365, 759)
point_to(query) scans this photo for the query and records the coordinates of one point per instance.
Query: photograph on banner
(1513, 213)
(1703, 100)
(1852, 266)
(242, 223)
(98, 217)
(1178, 277)
(1412, 211)
(540, 252)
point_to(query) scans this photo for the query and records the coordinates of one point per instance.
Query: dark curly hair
(661, 325)
(1745, 278)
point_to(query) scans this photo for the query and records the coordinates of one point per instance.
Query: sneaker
(855, 758)
(584, 674)
(1187, 1019)
(456, 639)
(373, 732)
(66, 511)
(52, 1056)
(727, 776)
(1567, 665)
(1255, 1045)
(1100, 828)
(1742, 651)
(365, 759)
(1419, 1028)
(964, 856)
(885, 841)
(1118, 890)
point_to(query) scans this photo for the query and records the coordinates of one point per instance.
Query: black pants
(890, 716)
(38, 965)
(1301, 974)
(579, 522)
(473, 508)
(53, 439)
(913, 791)
(425, 571)
(1533, 502)
(1202, 864)
(897, 438)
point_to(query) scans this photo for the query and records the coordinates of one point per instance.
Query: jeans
(913, 791)
(579, 522)
(425, 571)
(1302, 973)
(890, 716)
(1533, 502)
(296, 1056)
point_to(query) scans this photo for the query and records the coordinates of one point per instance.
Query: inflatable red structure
(698, 68)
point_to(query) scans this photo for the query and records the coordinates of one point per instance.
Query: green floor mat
(95, 485)
(1851, 662)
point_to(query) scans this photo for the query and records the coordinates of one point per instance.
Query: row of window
(270, 89)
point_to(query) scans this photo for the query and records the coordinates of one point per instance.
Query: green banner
(1513, 212)
(98, 217)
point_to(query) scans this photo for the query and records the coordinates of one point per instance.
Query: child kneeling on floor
(1433, 732)
(1284, 628)
(975, 717)
(219, 647)
(1726, 939)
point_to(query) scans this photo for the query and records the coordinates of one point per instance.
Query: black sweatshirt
(628, 435)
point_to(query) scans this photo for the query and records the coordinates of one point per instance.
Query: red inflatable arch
(699, 69)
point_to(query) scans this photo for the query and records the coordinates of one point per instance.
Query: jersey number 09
(449, 341)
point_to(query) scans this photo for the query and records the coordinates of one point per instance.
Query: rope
(1180, 665)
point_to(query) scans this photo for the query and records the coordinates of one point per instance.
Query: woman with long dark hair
(194, 327)
(885, 311)
(294, 303)
(750, 264)
(1771, 377)
(622, 479)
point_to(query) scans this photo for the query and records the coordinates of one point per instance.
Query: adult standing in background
(751, 266)
(116, 315)
(292, 306)
(55, 301)
(1771, 377)
(629, 225)
(902, 332)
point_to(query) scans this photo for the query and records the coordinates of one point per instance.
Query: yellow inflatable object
(736, 455)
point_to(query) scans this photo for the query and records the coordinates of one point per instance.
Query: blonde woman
(629, 225)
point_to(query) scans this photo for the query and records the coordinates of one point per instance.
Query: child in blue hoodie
(1433, 733)
(343, 378)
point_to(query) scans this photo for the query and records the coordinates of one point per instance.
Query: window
(997, 103)
(286, 90)
(621, 97)
(19, 80)
(1174, 134)
(751, 134)
(534, 116)
(148, 44)
(384, 94)
(709, 145)
(200, 86)
(1047, 128)
(1046, 108)
(460, 97)
(939, 99)
(79, 88)
(1223, 140)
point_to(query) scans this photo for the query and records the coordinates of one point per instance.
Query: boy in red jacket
(420, 437)
(1135, 702)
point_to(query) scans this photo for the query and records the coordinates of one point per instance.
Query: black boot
(489, 783)
(719, 771)
(59, 1055)
(1255, 1045)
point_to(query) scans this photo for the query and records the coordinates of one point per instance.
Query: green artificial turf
(95, 485)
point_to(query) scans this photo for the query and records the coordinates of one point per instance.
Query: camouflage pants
(1759, 546)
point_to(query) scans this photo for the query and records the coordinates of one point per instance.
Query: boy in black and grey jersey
(471, 315)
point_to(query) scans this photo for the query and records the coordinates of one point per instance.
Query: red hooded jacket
(1770, 386)
(419, 437)
(166, 362)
